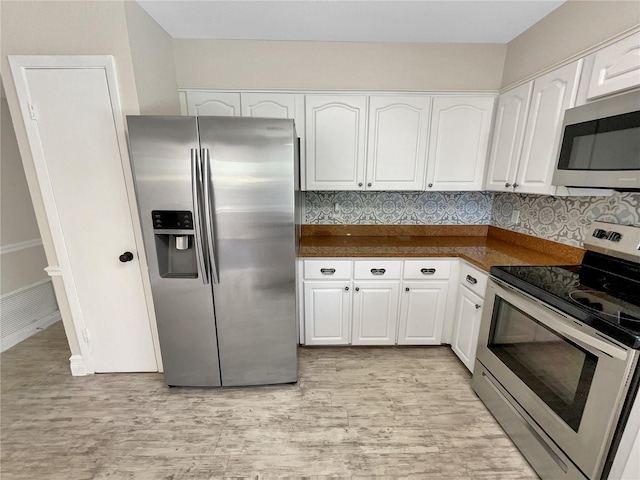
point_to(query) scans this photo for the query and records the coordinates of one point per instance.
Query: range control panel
(172, 220)
(622, 241)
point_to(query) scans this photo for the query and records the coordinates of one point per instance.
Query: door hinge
(85, 334)
(32, 112)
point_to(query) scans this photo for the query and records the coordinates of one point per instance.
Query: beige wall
(243, 64)
(570, 29)
(153, 64)
(18, 268)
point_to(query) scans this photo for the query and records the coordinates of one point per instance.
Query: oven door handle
(602, 345)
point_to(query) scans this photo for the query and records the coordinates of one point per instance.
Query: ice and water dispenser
(175, 243)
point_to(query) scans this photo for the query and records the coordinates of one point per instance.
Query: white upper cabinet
(614, 68)
(458, 142)
(335, 135)
(397, 142)
(553, 93)
(508, 133)
(524, 152)
(223, 104)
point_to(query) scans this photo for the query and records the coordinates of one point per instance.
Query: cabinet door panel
(508, 134)
(615, 68)
(335, 135)
(327, 312)
(397, 142)
(375, 312)
(553, 93)
(467, 326)
(422, 311)
(458, 142)
(220, 104)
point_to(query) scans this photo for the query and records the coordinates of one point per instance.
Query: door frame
(82, 364)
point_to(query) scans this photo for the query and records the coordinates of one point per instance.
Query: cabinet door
(458, 142)
(397, 142)
(278, 105)
(327, 312)
(615, 68)
(221, 104)
(335, 135)
(375, 312)
(467, 326)
(553, 93)
(422, 311)
(508, 133)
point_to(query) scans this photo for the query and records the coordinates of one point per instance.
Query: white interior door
(71, 128)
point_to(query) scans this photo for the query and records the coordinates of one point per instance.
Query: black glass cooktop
(603, 292)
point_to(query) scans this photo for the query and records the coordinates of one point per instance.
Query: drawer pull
(327, 271)
(378, 271)
(471, 280)
(428, 271)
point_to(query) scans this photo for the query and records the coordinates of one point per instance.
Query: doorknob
(126, 257)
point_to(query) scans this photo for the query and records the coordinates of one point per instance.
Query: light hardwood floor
(356, 412)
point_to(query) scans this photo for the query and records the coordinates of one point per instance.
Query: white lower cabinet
(327, 312)
(422, 312)
(468, 314)
(383, 302)
(375, 312)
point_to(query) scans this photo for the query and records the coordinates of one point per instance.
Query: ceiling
(452, 21)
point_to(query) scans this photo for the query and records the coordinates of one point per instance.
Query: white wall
(573, 27)
(243, 64)
(153, 64)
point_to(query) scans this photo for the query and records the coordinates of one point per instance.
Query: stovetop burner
(604, 300)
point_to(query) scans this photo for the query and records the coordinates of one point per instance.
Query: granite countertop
(483, 246)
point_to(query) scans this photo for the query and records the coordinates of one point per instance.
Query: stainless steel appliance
(217, 202)
(601, 145)
(557, 361)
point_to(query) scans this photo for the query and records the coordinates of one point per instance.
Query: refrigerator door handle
(208, 215)
(197, 217)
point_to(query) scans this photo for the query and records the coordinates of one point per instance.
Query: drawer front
(426, 269)
(327, 270)
(373, 269)
(473, 279)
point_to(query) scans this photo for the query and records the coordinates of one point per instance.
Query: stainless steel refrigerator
(218, 203)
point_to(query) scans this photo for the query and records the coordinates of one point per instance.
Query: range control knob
(599, 233)
(614, 236)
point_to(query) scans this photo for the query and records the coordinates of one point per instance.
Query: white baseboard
(31, 329)
(26, 311)
(78, 368)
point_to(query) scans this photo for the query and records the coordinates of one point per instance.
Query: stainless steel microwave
(601, 145)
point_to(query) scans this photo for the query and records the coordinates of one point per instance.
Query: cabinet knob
(406, 289)
(515, 185)
(507, 185)
(369, 184)
(360, 184)
(346, 289)
(478, 306)
(430, 185)
(357, 289)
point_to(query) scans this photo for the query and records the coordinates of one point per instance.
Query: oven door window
(557, 370)
(611, 143)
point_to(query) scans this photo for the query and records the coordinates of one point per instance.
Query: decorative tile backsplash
(405, 208)
(562, 219)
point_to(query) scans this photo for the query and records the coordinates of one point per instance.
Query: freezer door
(164, 152)
(253, 224)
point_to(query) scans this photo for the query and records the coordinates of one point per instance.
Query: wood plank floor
(356, 412)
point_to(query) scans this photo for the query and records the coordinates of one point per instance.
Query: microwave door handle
(197, 217)
(208, 215)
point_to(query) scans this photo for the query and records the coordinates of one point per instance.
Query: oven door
(567, 378)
